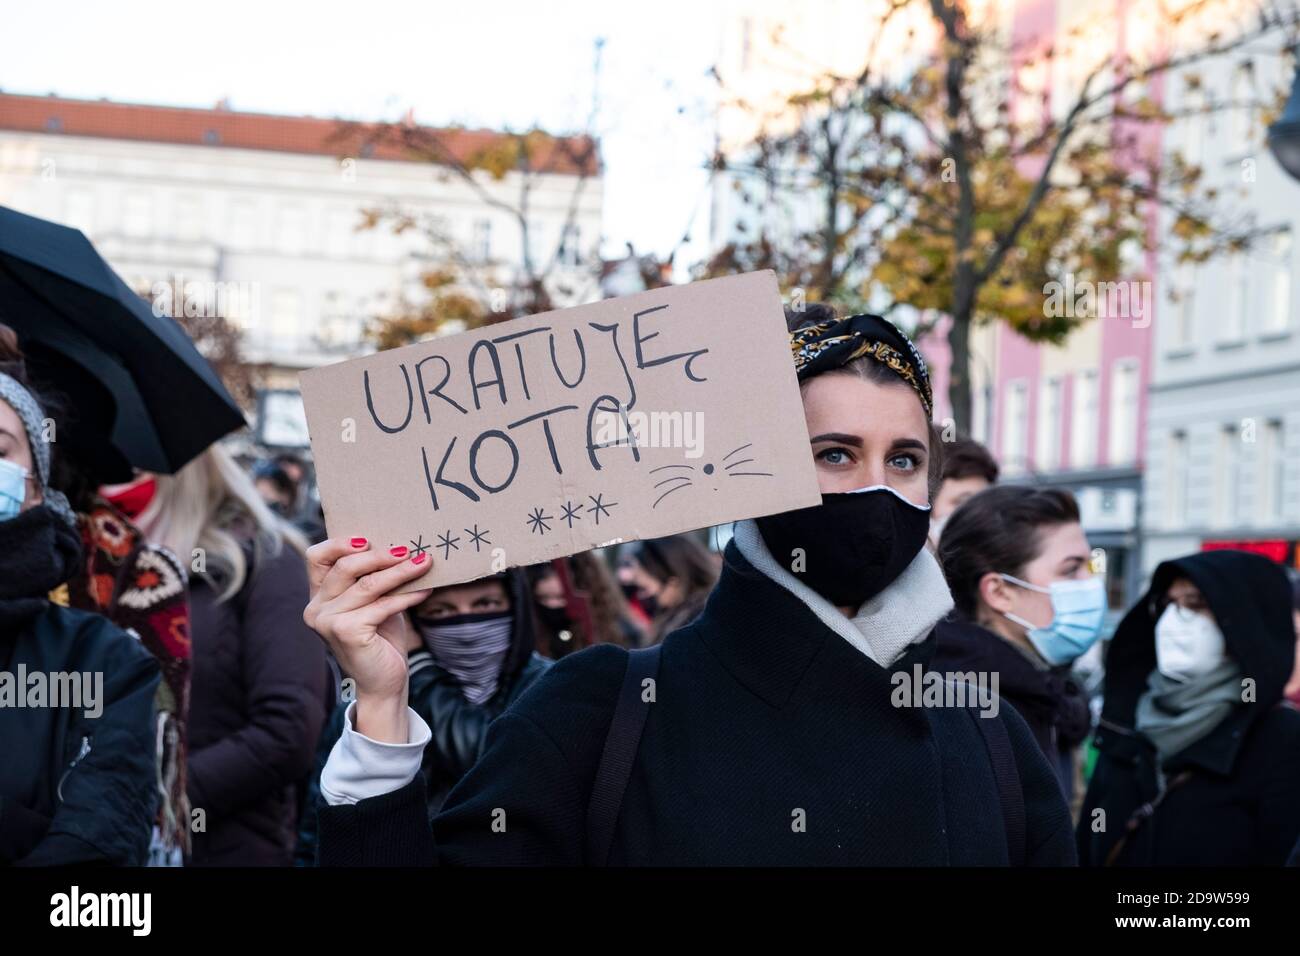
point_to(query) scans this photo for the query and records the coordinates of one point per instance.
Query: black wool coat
(771, 741)
(1240, 802)
(1050, 700)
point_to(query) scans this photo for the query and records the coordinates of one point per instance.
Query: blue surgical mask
(13, 489)
(1078, 608)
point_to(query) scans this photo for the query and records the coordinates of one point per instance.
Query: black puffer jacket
(77, 783)
(1240, 802)
(459, 728)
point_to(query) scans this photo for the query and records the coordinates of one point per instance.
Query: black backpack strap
(616, 760)
(1010, 794)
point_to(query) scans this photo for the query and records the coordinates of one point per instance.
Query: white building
(260, 213)
(1223, 435)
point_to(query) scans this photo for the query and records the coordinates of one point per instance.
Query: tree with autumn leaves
(931, 187)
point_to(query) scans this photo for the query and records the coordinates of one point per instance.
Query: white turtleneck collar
(886, 625)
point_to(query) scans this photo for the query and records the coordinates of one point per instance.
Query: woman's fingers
(377, 612)
(350, 569)
(366, 581)
(322, 557)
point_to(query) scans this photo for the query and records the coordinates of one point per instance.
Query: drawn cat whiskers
(743, 461)
(683, 479)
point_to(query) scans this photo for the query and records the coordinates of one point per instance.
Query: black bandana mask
(850, 547)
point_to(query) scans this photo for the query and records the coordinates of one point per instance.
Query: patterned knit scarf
(472, 648)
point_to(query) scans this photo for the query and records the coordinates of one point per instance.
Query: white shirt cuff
(359, 768)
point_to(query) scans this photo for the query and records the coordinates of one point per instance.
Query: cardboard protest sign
(516, 443)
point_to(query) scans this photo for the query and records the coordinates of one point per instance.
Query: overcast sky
(499, 63)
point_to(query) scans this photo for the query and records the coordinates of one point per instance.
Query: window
(1176, 480)
(137, 214)
(483, 240)
(1014, 425)
(1193, 127)
(338, 327)
(189, 217)
(243, 225)
(1233, 328)
(1272, 464)
(338, 232)
(1225, 477)
(79, 210)
(1243, 130)
(1183, 331)
(283, 326)
(1047, 454)
(291, 231)
(1083, 421)
(1123, 423)
(1277, 318)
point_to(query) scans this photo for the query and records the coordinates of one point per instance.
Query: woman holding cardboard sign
(779, 727)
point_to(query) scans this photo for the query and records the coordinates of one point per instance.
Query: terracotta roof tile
(571, 155)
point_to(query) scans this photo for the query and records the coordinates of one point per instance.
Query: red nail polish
(398, 552)
(419, 558)
(358, 542)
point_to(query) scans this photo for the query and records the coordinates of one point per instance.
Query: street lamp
(1284, 135)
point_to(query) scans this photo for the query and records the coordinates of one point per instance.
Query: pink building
(1073, 416)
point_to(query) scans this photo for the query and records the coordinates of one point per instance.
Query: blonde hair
(212, 505)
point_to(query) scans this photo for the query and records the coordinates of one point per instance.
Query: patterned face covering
(472, 648)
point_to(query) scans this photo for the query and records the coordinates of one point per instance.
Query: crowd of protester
(244, 719)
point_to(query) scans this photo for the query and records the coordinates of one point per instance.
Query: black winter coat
(1241, 803)
(1050, 700)
(78, 789)
(771, 741)
(459, 728)
(261, 686)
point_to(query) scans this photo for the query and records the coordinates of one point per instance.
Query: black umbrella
(136, 390)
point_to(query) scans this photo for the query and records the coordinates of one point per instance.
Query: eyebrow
(909, 443)
(841, 437)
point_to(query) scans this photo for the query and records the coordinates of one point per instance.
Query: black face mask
(556, 618)
(850, 547)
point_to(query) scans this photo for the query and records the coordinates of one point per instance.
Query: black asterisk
(537, 520)
(597, 505)
(571, 512)
(477, 537)
(419, 547)
(448, 544)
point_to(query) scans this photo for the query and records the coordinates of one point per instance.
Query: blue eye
(903, 462)
(835, 456)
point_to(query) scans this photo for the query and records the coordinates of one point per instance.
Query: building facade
(259, 217)
(1223, 435)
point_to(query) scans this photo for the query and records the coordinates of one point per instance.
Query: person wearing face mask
(1198, 753)
(470, 654)
(577, 604)
(77, 779)
(767, 731)
(1027, 605)
(672, 577)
